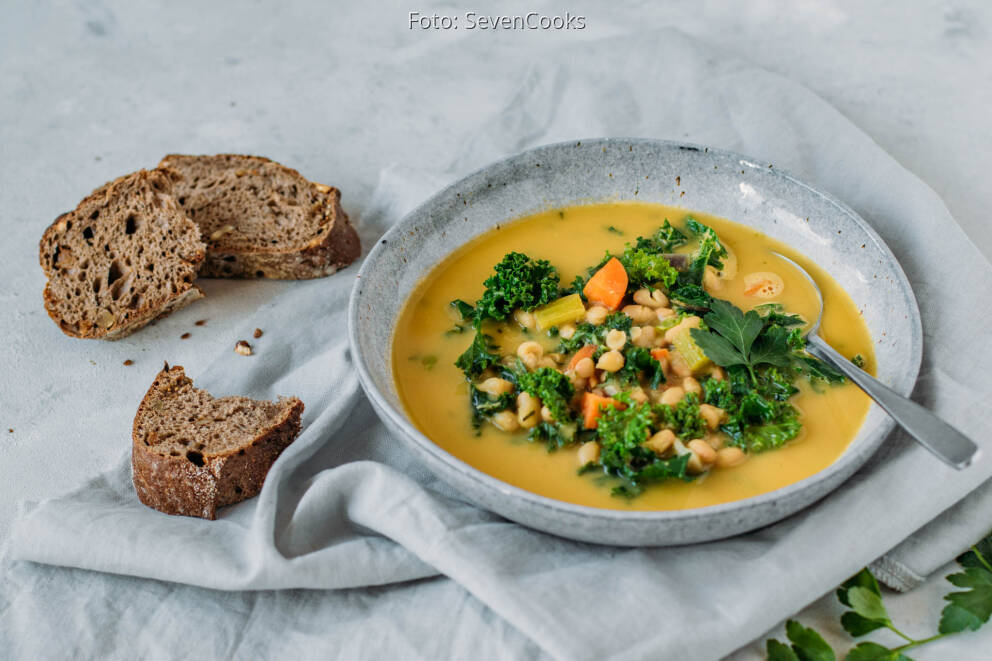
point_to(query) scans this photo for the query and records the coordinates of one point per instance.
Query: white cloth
(346, 507)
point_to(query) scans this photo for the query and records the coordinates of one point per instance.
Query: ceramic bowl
(690, 176)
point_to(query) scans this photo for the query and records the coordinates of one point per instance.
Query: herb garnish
(967, 610)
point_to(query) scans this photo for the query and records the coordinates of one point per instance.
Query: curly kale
(621, 434)
(484, 406)
(479, 356)
(684, 417)
(554, 435)
(647, 269)
(518, 282)
(553, 388)
(639, 362)
(586, 333)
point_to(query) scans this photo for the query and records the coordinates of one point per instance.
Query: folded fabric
(347, 506)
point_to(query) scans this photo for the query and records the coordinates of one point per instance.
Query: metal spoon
(943, 440)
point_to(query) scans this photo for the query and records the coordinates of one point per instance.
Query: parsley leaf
(869, 651)
(972, 608)
(807, 643)
(966, 610)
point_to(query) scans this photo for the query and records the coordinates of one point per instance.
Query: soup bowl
(695, 177)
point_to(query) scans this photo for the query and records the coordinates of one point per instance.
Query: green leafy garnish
(620, 434)
(484, 406)
(518, 282)
(554, 435)
(550, 386)
(479, 356)
(967, 611)
(732, 335)
(646, 269)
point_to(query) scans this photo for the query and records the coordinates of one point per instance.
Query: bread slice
(261, 219)
(192, 453)
(126, 255)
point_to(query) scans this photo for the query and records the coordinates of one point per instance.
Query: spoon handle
(943, 440)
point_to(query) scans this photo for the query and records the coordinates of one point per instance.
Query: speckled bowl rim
(902, 382)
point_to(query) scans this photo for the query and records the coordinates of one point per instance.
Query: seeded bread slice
(192, 453)
(261, 219)
(126, 255)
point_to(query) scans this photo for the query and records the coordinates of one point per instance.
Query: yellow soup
(435, 392)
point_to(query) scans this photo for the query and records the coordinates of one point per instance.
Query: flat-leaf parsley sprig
(967, 610)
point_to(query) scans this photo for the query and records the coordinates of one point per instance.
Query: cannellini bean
(688, 322)
(664, 313)
(585, 368)
(524, 318)
(566, 331)
(546, 414)
(596, 315)
(727, 457)
(717, 373)
(616, 339)
(702, 449)
(690, 384)
(530, 353)
(672, 396)
(652, 299)
(712, 415)
(661, 442)
(763, 284)
(578, 382)
(716, 441)
(588, 453)
(678, 365)
(495, 386)
(547, 361)
(505, 421)
(611, 361)
(712, 280)
(528, 410)
(645, 337)
(640, 314)
(638, 395)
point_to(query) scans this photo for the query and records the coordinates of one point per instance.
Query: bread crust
(185, 294)
(177, 485)
(323, 255)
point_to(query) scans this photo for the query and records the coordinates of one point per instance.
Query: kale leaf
(553, 388)
(553, 434)
(646, 269)
(621, 433)
(484, 406)
(518, 282)
(478, 357)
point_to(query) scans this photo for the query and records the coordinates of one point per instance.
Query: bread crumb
(199, 322)
(257, 334)
(243, 348)
(128, 362)
(184, 336)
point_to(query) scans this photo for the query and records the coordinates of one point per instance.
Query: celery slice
(690, 351)
(565, 310)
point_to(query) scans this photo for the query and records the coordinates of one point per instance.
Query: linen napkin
(347, 507)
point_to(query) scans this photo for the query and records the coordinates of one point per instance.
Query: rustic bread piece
(192, 453)
(263, 220)
(126, 255)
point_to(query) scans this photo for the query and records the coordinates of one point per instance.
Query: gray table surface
(91, 90)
